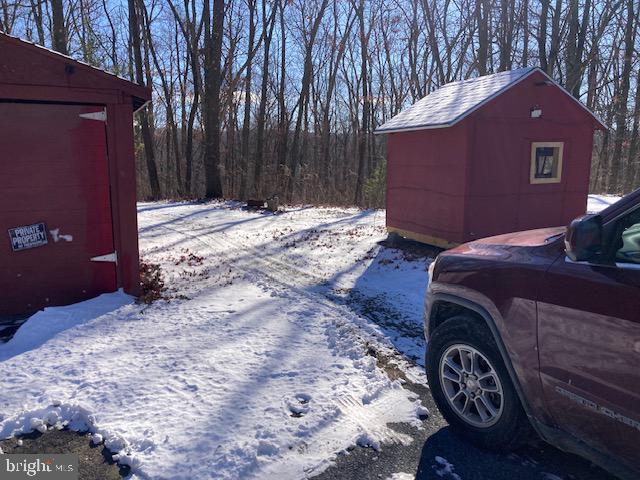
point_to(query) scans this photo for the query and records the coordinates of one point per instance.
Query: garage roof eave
(383, 131)
(139, 103)
(140, 94)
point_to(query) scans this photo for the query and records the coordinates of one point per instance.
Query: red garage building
(68, 227)
(490, 155)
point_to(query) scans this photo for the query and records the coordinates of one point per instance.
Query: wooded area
(254, 98)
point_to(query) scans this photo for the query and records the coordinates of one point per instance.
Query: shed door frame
(105, 123)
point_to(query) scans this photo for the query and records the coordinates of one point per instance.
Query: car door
(589, 343)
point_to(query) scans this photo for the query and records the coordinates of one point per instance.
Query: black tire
(512, 429)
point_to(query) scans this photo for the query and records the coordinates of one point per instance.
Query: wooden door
(55, 206)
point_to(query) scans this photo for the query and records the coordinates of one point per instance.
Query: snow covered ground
(255, 366)
(597, 203)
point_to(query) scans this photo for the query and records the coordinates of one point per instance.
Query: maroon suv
(540, 331)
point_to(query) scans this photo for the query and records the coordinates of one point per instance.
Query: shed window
(546, 162)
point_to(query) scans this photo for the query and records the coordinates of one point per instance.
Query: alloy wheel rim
(471, 385)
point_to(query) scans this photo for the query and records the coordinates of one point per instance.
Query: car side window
(628, 241)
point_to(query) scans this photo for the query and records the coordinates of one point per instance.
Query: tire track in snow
(263, 264)
(347, 331)
(273, 281)
(363, 416)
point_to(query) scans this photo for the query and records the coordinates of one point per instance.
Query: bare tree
(145, 121)
(303, 100)
(59, 29)
(271, 96)
(268, 25)
(622, 98)
(212, 83)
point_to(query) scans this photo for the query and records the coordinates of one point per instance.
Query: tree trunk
(616, 173)
(59, 30)
(262, 109)
(555, 38)
(575, 46)
(364, 125)
(525, 34)
(168, 95)
(331, 85)
(283, 123)
(482, 17)
(246, 171)
(542, 34)
(433, 39)
(212, 84)
(507, 9)
(145, 121)
(36, 11)
(303, 101)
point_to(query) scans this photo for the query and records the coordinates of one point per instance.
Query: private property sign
(29, 236)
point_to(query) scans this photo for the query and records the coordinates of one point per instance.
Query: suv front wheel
(472, 388)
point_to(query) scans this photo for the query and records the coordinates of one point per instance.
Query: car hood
(518, 246)
(528, 238)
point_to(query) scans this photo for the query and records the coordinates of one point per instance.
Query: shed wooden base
(422, 238)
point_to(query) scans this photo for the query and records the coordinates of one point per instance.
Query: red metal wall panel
(24, 64)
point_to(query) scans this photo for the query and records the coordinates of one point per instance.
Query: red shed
(490, 155)
(68, 226)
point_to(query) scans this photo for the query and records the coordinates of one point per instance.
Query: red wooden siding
(54, 170)
(426, 181)
(26, 65)
(500, 196)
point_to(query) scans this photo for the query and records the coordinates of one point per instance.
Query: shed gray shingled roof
(454, 101)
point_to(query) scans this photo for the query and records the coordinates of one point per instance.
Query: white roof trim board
(454, 101)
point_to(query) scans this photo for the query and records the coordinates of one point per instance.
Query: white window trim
(532, 174)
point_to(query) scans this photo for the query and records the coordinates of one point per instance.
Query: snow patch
(44, 325)
(597, 203)
(445, 469)
(74, 417)
(402, 476)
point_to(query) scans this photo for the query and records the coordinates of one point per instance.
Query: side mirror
(583, 240)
